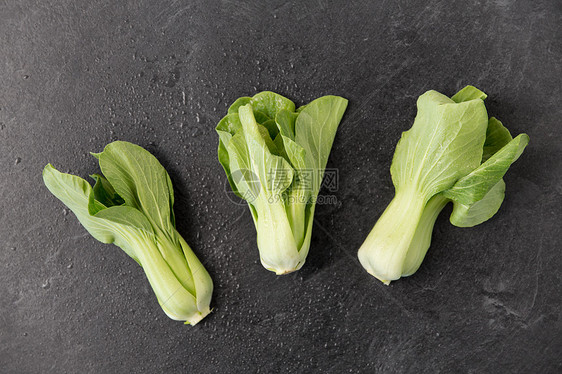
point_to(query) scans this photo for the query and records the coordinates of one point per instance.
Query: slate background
(76, 75)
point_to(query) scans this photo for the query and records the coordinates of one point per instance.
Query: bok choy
(452, 153)
(130, 205)
(274, 156)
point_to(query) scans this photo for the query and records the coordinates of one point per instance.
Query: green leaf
(126, 216)
(474, 186)
(444, 144)
(262, 118)
(480, 211)
(94, 206)
(295, 153)
(75, 193)
(468, 93)
(303, 176)
(104, 192)
(268, 140)
(140, 179)
(270, 104)
(226, 128)
(315, 130)
(273, 172)
(246, 182)
(229, 125)
(497, 136)
(233, 109)
(265, 105)
(280, 147)
(271, 127)
(286, 123)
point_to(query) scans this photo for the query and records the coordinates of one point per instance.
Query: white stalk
(384, 251)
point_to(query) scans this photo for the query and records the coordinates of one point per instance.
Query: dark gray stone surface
(76, 75)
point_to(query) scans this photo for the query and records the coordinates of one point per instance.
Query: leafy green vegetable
(453, 152)
(131, 207)
(274, 156)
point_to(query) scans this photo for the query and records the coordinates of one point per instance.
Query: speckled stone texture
(76, 75)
